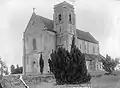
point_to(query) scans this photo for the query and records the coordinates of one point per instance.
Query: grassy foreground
(105, 81)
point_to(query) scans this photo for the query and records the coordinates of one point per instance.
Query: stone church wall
(45, 42)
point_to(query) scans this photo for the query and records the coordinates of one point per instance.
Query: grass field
(100, 82)
(105, 81)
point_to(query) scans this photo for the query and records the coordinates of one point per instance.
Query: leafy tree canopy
(109, 64)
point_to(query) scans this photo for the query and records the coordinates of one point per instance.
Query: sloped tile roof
(90, 57)
(49, 23)
(85, 36)
(93, 57)
(80, 34)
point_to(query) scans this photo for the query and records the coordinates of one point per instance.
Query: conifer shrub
(41, 63)
(69, 67)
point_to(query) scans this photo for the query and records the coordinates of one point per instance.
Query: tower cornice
(63, 4)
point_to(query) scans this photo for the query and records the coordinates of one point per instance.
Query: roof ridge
(44, 17)
(86, 36)
(47, 22)
(30, 20)
(92, 36)
(82, 30)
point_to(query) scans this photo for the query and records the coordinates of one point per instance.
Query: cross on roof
(33, 9)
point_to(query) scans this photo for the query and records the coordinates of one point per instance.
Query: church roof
(49, 23)
(85, 36)
(91, 57)
(80, 34)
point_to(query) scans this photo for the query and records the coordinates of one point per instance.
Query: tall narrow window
(93, 49)
(56, 19)
(27, 59)
(85, 47)
(60, 29)
(60, 40)
(80, 46)
(34, 44)
(70, 18)
(98, 49)
(60, 18)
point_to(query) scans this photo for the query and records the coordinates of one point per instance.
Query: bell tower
(64, 24)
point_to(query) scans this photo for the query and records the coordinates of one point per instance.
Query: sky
(99, 17)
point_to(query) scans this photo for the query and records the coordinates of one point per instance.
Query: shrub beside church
(69, 67)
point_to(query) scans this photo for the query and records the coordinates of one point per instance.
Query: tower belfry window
(60, 18)
(70, 18)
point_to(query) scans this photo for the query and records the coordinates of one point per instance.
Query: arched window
(70, 18)
(60, 29)
(34, 44)
(93, 49)
(60, 18)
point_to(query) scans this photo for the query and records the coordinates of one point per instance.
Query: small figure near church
(41, 63)
(50, 65)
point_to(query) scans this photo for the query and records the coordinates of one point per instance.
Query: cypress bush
(41, 63)
(69, 67)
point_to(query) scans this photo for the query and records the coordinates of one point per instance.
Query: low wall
(74, 86)
(37, 79)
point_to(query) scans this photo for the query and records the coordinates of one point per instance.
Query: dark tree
(3, 68)
(109, 64)
(50, 65)
(6, 71)
(17, 70)
(41, 63)
(12, 67)
(17, 66)
(69, 67)
(73, 43)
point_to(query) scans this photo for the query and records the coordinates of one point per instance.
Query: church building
(43, 35)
